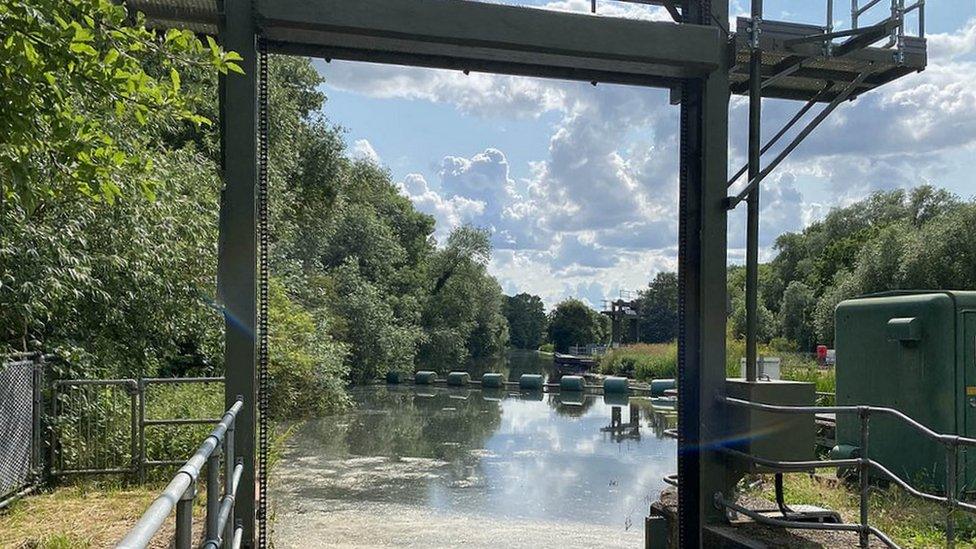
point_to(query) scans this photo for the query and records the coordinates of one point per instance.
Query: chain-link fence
(19, 424)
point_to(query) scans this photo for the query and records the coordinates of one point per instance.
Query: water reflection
(528, 458)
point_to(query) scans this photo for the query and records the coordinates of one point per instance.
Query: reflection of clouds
(481, 460)
(549, 465)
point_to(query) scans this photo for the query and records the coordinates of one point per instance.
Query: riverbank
(646, 362)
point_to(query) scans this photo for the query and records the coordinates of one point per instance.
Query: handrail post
(952, 455)
(864, 466)
(37, 456)
(230, 461)
(184, 517)
(134, 444)
(213, 494)
(142, 430)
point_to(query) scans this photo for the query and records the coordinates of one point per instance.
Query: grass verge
(85, 515)
(909, 521)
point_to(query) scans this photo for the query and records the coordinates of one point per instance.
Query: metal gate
(20, 428)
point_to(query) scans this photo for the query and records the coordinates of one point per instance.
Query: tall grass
(643, 361)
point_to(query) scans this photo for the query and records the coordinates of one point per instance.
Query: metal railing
(221, 529)
(898, 10)
(863, 464)
(90, 434)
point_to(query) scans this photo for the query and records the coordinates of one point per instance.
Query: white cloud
(362, 148)
(599, 212)
(448, 212)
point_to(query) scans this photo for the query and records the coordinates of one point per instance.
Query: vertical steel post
(37, 457)
(230, 461)
(135, 454)
(702, 288)
(952, 462)
(828, 45)
(854, 14)
(184, 518)
(863, 470)
(213, 493)
(921, 18)
(752, 202)
(237, 251)
(142, 430)
(53, 439)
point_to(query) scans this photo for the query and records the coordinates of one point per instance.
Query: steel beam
(496, 38)
(237, 251)
(702, 278)
(752, 215)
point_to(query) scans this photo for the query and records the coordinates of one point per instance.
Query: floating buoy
(425, 377)
(531, 382)
(658, 386)
(492, 381)
(572, 383)
(458, 379)
(615, 384)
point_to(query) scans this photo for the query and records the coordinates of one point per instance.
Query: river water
(438, 467)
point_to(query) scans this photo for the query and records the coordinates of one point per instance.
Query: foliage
(659, 309)
(643, 361)
(903, 239)
(114, 263)
(463, 315)
(526, 315)
(306, 366)
(796, 314)
(81, 84)
(573, 322)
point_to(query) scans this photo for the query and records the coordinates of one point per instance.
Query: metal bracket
(755, 31)
(733, 201)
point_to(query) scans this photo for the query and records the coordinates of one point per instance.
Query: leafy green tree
(526, 315)
(80, 83)
(796, 315)
(463, 314)
(659, 309)
(572, 322)
(307, 368)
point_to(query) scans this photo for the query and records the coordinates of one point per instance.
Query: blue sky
(579, 183)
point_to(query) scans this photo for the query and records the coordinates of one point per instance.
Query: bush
(547, 348)
(643, 362)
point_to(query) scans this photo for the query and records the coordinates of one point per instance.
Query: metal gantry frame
(695, 56)
(858, 38)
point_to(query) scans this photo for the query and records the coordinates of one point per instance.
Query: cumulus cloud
(362, 148)
(448, 212)
(598, 213)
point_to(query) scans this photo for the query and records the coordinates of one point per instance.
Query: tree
(796, 315)
(572, 322)
(659, 309)
(526, 315)
(81, 82)
(463, 314)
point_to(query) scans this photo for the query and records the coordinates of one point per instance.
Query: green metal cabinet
(915, 352)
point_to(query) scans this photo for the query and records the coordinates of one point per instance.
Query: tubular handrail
(783, 523)
(952, 444)
(182, 488)
(944, 439)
